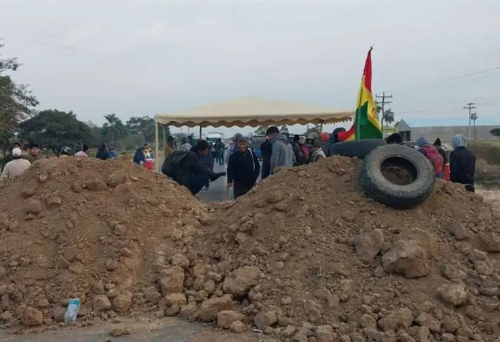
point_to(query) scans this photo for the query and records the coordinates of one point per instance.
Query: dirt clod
(32, 317)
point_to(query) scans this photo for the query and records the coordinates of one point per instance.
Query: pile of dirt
(305, 256)
(308, 257)
(99, 231)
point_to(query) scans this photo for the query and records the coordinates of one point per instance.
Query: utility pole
(470, 106)
(383, 103)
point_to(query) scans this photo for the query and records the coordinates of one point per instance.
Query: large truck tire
(398, 176)
(355, 148)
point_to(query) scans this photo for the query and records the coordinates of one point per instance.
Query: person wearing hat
(317, 152)
(16, 166)
(243, 168)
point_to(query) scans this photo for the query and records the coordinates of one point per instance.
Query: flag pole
(358, 122)
(356, 116)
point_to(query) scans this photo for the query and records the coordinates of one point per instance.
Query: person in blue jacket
(140, 156)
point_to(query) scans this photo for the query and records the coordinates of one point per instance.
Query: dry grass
(487, 175)
(489, 151)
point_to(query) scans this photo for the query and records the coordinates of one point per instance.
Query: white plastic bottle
(72, 311)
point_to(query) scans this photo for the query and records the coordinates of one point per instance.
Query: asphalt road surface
(141, 330)
(217, 190)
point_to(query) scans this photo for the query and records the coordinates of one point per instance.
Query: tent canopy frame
(250, 111)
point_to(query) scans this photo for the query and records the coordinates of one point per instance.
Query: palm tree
(473, 117)
(113, 127)
(388, 117)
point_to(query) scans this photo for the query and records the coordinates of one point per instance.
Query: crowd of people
(194, 168)
(192, 162)
(19, 160)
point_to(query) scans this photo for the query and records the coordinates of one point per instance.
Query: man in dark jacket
(243, 169)
(394, 138)
(193, 174)
(266, 148)
(102, 152)
(462, 163)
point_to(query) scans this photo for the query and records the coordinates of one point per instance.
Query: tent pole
(164, 133)
(201, 129)
(156, 146)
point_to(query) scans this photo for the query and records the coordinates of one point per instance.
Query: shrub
(487, 175)
(488, 151)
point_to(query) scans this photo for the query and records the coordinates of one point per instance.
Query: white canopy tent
(250, 111)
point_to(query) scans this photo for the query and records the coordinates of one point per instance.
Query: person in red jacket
(432, 154)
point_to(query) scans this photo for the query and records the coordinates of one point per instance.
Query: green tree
(474, 117)
(495, 132)
(95, 134)
(142, 126)
(388, 117)
(261, 130)
(113, 129)
(54, 129)
(16, 103)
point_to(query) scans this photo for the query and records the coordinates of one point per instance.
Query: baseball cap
(16, 152)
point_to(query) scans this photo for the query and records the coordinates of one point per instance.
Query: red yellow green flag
(366, 124)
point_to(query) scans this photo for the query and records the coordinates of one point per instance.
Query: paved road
(217, 190)
(141, 330)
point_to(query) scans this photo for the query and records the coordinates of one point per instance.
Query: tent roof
(253, 111)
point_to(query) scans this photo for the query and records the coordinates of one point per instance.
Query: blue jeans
(197, 182)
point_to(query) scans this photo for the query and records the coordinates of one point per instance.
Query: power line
(460, 77)
(383, 103)
(452, 109)
(463, 76)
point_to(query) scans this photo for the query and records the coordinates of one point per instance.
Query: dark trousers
(220, 157)
(470, 187)
(197, 182)
(266, 168)
(241, 189)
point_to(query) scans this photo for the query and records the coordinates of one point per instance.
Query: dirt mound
(307, 255)
(99, 231)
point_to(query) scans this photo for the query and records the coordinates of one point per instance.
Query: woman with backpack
(431, 153)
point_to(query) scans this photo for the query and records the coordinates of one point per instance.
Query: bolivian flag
(366, 124)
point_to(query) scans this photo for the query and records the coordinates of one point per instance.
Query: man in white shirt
(185, 146)
(16, 166)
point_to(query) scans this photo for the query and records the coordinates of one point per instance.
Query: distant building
(445, 133)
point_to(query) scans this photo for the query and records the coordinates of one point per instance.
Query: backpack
(172, 165)
(435, 158)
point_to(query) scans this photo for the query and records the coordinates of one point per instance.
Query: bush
(490, 152)
(487, 175)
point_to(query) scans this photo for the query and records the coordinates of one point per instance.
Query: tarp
(253, 111)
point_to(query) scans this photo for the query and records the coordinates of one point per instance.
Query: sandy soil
(492, 196)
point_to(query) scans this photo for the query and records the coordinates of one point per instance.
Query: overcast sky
(146, 57)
